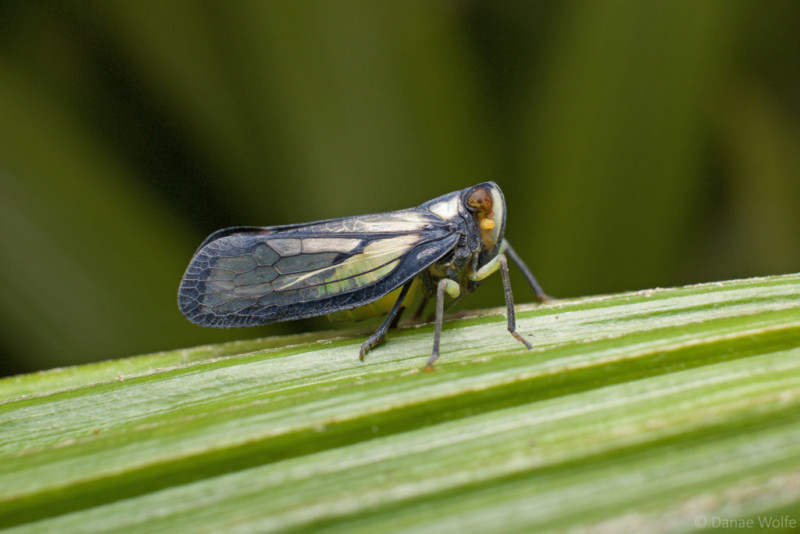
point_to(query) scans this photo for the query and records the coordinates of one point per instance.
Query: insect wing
(249, 276)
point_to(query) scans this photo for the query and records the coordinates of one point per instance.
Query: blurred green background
(638, 144)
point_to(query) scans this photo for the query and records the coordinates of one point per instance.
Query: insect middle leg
(452, 288)
(380, 333)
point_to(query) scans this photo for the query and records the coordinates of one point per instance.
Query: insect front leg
(500, 262)
(452, 288)
(380, 333)
(537, 289)
(512, 323)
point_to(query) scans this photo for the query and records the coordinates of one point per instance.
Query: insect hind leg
(390, 321)
(397, 318)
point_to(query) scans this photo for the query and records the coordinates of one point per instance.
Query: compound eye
(487, 209)
(480, 200)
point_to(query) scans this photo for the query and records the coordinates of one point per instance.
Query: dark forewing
(251, 276)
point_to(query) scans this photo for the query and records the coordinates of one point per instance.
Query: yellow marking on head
(487, 206)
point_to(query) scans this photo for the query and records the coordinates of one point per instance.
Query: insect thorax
(456, 265)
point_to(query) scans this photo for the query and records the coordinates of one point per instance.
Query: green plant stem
(635, 412)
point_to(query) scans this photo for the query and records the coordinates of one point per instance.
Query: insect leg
(420, 308)
(512, 323)
(451, 288)
(541, 295)
(380, 333)
(484, 272)
(397, 317)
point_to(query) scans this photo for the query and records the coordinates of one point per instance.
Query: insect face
(486, 205)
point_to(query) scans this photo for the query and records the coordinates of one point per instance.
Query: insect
(247, 276)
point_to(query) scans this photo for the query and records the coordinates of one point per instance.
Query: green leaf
(653, 411)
